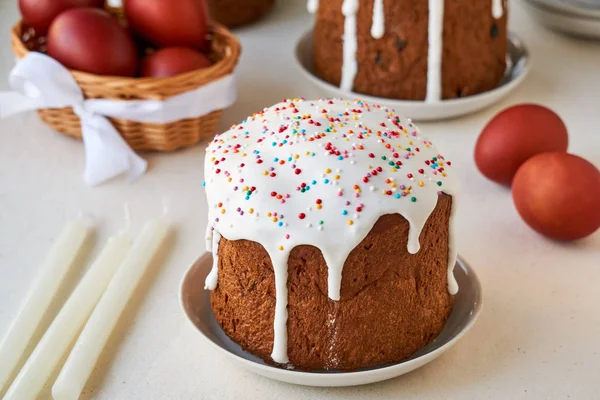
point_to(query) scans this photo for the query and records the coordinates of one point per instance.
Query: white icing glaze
(318, 173)
(209, 237)
(213, 276)
(312, 6)
(434, 54)
(497, 9)
(279, 259)
(350, 45)
(452, 250)
(378, 24)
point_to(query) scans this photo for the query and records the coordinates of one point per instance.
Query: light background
(538, 336)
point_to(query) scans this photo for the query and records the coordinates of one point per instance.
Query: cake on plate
(410, 49)
(330, 224)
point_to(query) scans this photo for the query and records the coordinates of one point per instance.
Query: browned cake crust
(395, 66)
(392, 303)
(233, 13)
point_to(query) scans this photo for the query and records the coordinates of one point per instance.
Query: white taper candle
(47, 282)
(96, 332)
(69, 320)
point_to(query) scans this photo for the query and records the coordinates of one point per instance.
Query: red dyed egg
(515, 135)
(91, 40)
(558, 195)
(170, 23)
(172, 61)
(39, 14)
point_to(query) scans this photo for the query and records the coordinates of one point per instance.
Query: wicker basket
(147, 136)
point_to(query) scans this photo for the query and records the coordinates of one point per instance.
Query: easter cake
(410, 49)
(331, 228)
(234, 13)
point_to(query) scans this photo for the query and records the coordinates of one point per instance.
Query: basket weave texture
(140, 135)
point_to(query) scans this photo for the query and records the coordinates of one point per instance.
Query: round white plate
(583, 8)
(518, 66)
(564, 22)
(196, 305)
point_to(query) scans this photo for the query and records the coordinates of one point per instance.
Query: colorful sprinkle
(348, 141)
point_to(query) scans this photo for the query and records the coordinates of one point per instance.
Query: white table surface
(538, 336)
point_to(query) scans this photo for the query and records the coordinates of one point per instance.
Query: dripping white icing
(434, 55)
(213, 276)
(452, 251)
(279, 259)
(335, 262)
(497, 9)
(378, 24)
(208, 238)
(350, 45)
(254, 174)
(414, 231)
(312, 6)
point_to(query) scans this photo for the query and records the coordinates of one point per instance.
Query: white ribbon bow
(39, 81)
